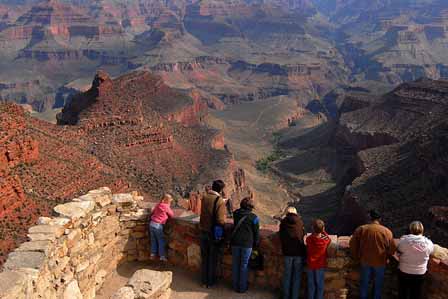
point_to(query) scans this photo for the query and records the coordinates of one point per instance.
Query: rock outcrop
(146, 284)
(129, 131)
(400, 142)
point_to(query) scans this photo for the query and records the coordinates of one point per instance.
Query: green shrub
(264, 164)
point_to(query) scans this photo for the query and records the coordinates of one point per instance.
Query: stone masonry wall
(71, 255)
(341, 277)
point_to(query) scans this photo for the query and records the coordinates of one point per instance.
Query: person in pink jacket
(160, 214)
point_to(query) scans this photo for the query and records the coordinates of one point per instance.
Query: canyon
(383, 152)
(154, 145)
(230, 51)
(317, 104)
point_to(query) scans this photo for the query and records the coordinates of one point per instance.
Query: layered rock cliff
(401, 143)
(130, 132)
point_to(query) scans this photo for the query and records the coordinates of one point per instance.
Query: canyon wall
(72, 254)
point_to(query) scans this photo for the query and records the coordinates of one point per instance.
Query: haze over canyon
(336, 106)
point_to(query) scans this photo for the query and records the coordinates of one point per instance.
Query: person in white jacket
(414, 251)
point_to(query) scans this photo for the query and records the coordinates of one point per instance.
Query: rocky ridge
(401, 145)
(154, 145)
(169, 37)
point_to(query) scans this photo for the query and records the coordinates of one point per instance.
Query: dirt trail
(248, 129)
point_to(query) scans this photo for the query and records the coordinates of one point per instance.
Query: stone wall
(71, 255)
(341, 278)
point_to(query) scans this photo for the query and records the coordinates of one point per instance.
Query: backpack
(217, 229)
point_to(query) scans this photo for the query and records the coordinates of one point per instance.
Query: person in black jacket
(292, 232)
(245, 236)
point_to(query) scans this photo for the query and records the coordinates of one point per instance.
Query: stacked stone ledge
(72, 254)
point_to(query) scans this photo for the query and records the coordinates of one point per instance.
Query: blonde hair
(291, 210)
(416, 228)
(318, 226)
(167, 198)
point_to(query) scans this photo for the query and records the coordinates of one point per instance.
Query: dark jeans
(316, 280)
(410, 286)
(292, 277)
(240, 268)
(367, 273)
(209, 259)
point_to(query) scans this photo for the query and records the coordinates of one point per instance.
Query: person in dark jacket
(292, 232)
(245, 236)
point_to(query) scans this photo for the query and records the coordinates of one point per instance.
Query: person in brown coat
(213, 217)
(372, 244)
(292, 232)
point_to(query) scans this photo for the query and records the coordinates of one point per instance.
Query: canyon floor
(252, 130)
(248, 130)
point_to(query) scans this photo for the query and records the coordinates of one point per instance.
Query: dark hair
(247, 203)
(375, 215)
(218, 186)
(318, 226)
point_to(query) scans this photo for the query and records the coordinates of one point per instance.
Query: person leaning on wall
(245, 237)
(162, 211)
(292, 233)
(414, 251)
(372, 244)
(211, 224)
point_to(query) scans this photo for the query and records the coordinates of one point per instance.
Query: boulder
(75, 210)
(39, 246)
(146, 284)
(12, 285)
(440, 252)
(26, 259)
(124, 293)
(124, 199)
(72, 291)
(102, 196)
(55, 230)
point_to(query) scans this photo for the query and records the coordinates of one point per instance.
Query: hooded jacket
(414, 254)
(292, 232)
(317, 245)
(161, 213)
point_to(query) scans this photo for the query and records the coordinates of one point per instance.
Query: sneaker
(163, 259)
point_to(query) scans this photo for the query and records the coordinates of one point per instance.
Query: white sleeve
(400, 246)
(430, 247)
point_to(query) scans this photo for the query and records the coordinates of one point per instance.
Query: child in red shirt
(160, 214)
(317, 244)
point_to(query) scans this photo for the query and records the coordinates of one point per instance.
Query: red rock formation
(218, 141)
(120, 133)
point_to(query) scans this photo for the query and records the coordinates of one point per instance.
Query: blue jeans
(316, 280)
(240, 268)
(157, 239)
(378, 274)
(292, 277)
